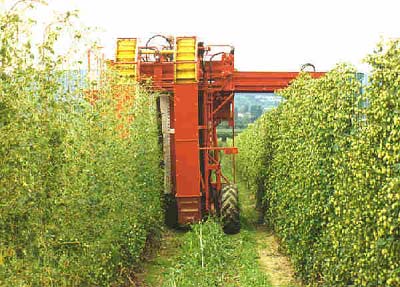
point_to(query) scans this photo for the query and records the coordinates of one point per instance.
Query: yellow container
(186, 60)
(125, 69)
(126, 50)
(125, 62)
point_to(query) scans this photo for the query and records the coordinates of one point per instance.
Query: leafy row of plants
(80, 182)
(327, 162)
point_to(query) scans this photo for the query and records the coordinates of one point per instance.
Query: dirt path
(276, 265)
(271, 260)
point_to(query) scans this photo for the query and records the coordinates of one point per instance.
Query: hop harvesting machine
(197, 83)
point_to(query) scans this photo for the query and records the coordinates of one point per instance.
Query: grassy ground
(205, 256)
(270, 260)
(157, 269)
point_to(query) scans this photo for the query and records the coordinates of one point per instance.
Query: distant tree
(244, 108)
(255, 112)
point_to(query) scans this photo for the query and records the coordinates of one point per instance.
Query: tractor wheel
(230, 215)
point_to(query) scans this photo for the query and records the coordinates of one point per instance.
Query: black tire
(230, 213)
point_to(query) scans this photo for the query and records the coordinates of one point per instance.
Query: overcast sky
(268, 35)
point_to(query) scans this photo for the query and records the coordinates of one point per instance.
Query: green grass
(208, 257)
(159, 267)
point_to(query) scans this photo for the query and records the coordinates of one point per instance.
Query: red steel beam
(267, 82)
(186, 143)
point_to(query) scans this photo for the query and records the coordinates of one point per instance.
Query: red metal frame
(196, 111)
(187, 188)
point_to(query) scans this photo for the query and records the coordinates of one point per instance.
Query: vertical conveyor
(187, 163)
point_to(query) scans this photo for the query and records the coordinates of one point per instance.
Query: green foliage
(327, 160)
(79, 197)
(211, 258)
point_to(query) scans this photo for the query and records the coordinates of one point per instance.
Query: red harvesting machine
(197, 83)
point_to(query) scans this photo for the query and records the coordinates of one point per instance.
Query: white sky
(268, 35)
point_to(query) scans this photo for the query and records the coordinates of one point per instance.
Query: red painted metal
(264, 81)
(187, 165)
(197, 108)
